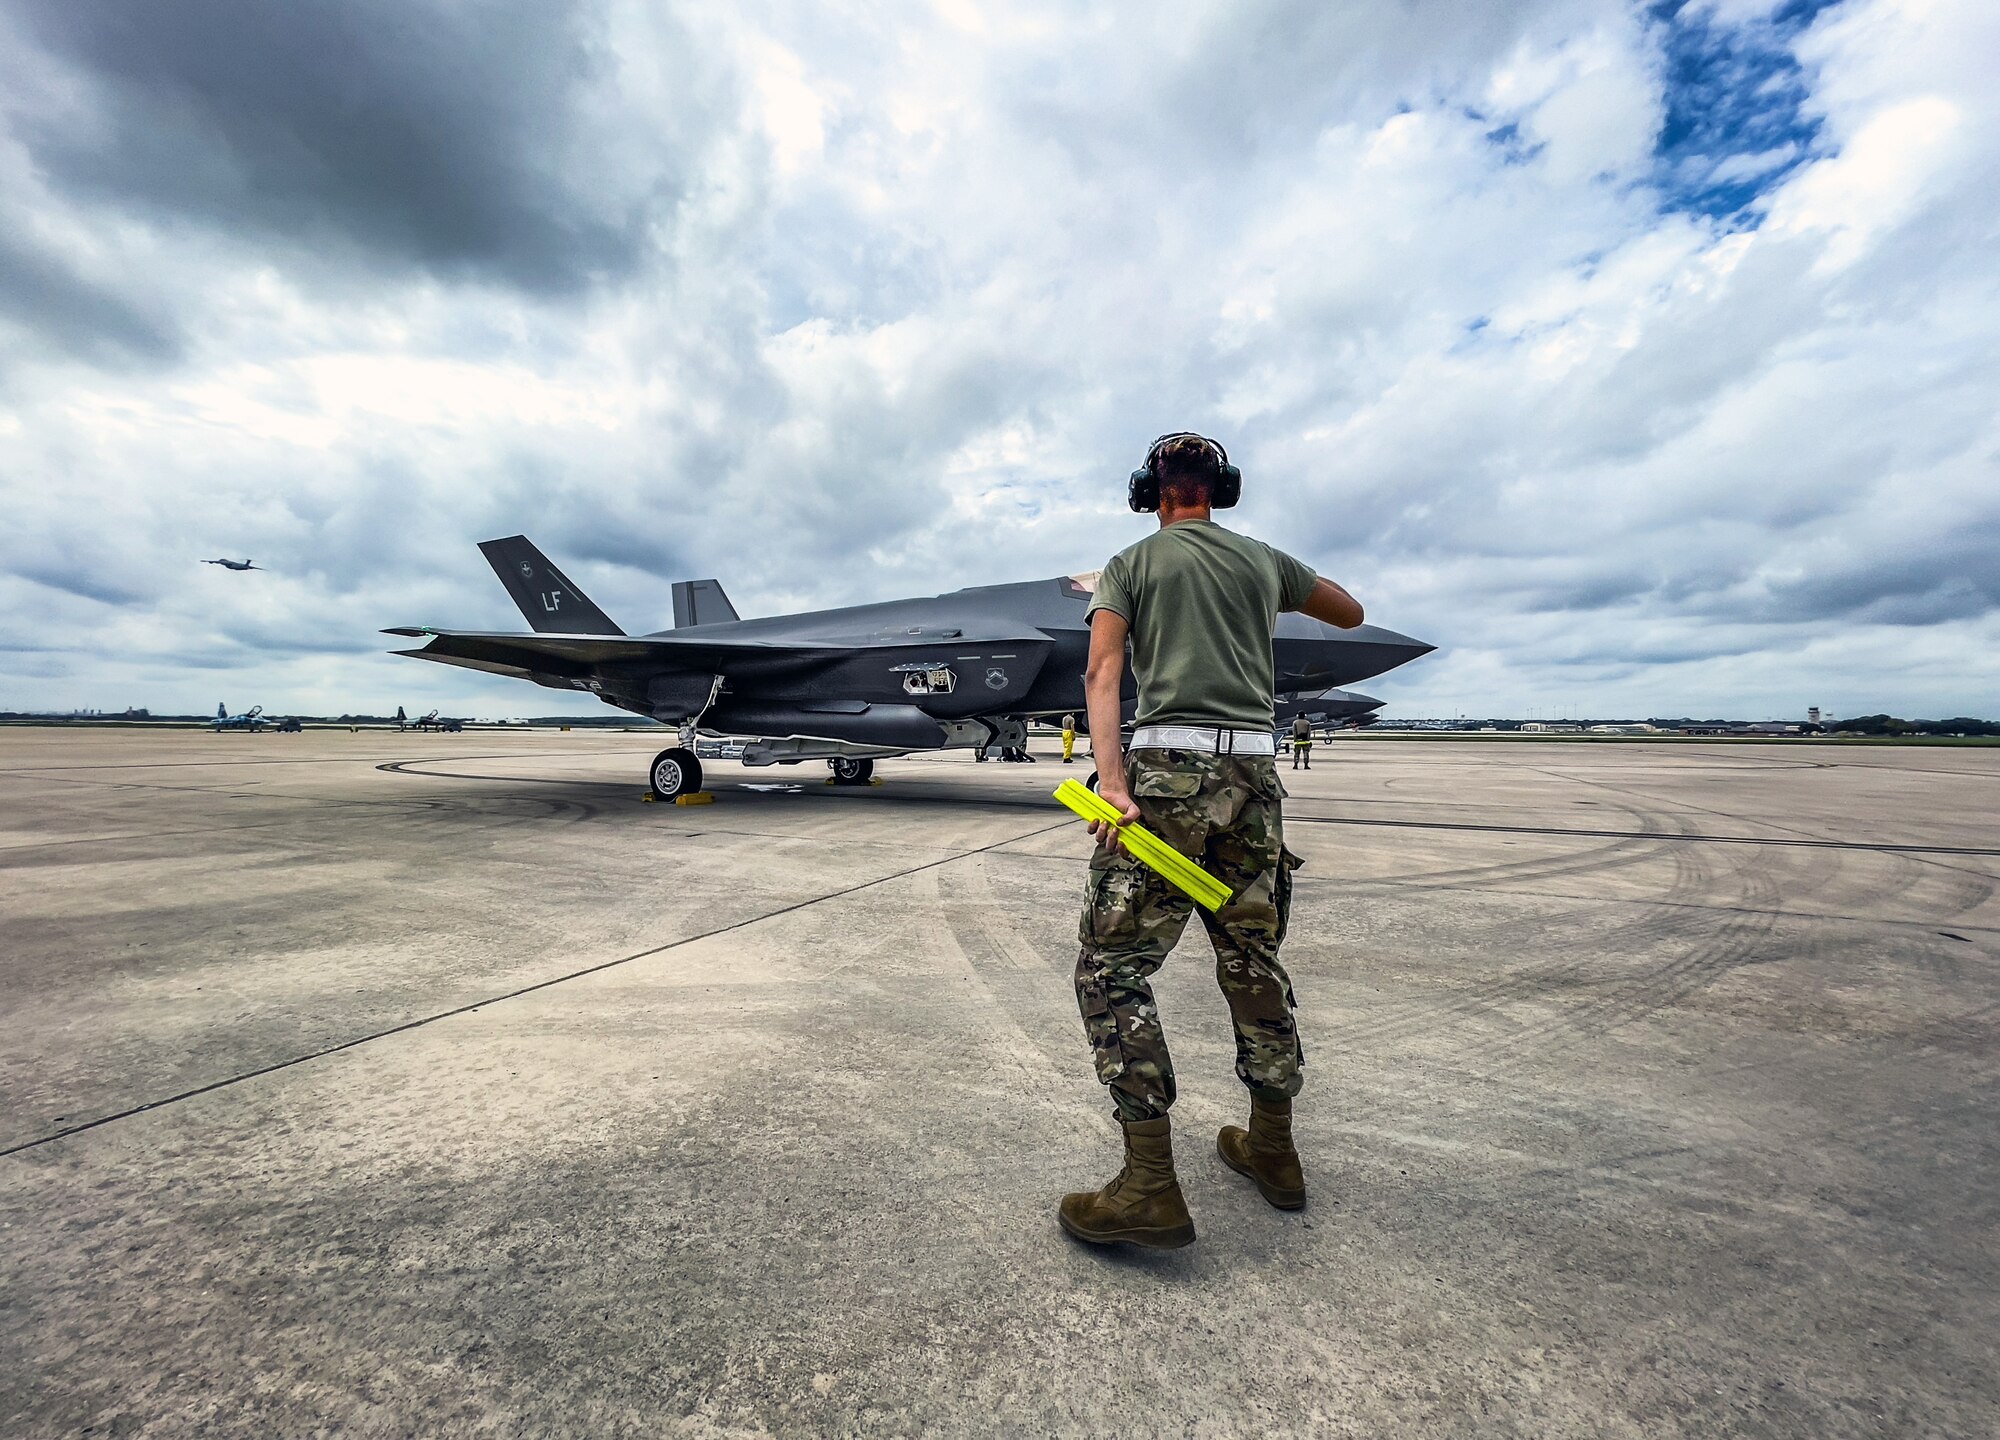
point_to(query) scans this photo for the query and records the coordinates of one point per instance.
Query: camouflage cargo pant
(1224, 812)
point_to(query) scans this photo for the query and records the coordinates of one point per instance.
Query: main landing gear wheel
(849, 771)
(1091, 783)
(675, 773)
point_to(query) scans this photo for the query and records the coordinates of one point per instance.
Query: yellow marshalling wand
(1147, 848)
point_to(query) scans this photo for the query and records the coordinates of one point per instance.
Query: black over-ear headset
(1142, 492)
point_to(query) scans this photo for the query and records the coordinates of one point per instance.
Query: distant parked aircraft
(233, 564)
(251, 719)
(432, 721)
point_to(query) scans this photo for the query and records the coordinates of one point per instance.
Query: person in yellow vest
(1069, 738)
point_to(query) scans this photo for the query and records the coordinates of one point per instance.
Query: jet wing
(580, 655)
(514, 654)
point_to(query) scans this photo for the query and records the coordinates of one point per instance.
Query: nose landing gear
(675, 772)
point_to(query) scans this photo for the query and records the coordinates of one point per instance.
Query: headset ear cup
(1228, 487)
(1142, 492)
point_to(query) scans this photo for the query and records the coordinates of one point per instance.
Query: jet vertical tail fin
(701, 602)
(546, 596)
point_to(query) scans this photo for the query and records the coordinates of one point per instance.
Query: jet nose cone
(1370, 650)
(1390, 643)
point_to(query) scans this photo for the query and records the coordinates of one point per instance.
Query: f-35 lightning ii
(1328, 707)
(946, 672)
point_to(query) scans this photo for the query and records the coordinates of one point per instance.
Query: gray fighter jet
(432, 721)
(233, 564)
(1328, 707)
(251, 719)
(945, 672)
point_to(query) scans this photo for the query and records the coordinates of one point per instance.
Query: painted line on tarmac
(289, 760)
(469, 1006)
(995, 802)
(1885, 846)
(404, 767)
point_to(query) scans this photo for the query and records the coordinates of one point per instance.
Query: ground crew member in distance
(1197, 603)
(1069, 738)
(1302, 742)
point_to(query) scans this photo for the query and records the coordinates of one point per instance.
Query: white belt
(1211, 739)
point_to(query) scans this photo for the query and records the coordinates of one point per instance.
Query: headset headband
(1153, 450)
(1142, 491)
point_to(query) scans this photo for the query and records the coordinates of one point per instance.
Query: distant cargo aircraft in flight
(233, 564)
(947, 672)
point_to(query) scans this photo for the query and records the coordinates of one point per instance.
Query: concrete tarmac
(400, 1084)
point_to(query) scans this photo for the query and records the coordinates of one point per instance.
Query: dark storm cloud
(42, 292)
(1952, 577)
(449, 137)
(82, 584)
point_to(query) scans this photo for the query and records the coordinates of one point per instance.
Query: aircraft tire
(847, 770)
(674, 773)
(1091, 783)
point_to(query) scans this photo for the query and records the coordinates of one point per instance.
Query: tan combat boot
(1264, 1152)
(1143, 1203)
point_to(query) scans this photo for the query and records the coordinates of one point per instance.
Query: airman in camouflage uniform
(1195, 603)
(1221, 811)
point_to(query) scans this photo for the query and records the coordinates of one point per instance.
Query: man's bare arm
(1102, 679)
(1329, 602)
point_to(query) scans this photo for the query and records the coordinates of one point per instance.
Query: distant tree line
(1891, 725)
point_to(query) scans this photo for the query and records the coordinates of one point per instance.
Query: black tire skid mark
(1626, 795)
(1535, 980)
(1966, 893)
(408, 768)
(403, 805)
(1941, 893)
(1972, 1033)
(1915, 769)
(1966, 1041)
(1520, 985)
(1001, 977)
(570, 809)
(1604, 1009)
(1613, 854)
(1733, 947)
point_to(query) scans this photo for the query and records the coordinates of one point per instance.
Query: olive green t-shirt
(1201, 601)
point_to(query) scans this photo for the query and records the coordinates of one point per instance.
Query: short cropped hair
(1189, 468)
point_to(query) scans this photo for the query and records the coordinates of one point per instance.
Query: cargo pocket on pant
(1156, 784)
(1100, 1027)
(1260, 778)
(1281, 888)
(1111, 906)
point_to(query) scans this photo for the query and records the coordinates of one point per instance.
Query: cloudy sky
(1643, 357)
